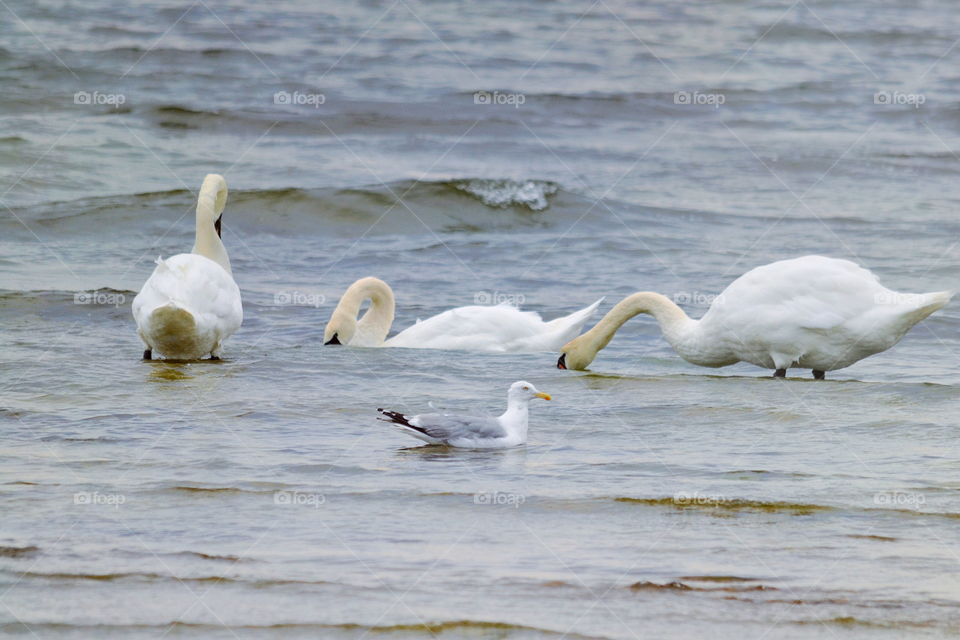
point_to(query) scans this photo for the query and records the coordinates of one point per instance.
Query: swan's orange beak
(545, 396)
(562, 361)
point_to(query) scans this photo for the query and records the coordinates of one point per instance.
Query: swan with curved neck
(812, 312)
(191, 304)
(500, 328)
(210, 205)
(369, 331)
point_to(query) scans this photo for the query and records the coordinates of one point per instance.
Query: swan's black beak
(562, 361)
(216, 225)
(334, 340)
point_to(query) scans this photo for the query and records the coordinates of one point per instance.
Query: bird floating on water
(508, 430)
(191, 304)
(812, 312)
(498, 329)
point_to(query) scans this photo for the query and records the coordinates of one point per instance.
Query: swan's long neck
(375, 324)
(210, 204)
(674, 323)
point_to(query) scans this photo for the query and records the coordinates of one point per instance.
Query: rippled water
(661, 146)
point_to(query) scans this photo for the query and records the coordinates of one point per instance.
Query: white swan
(500, 328)
(812, 312)
(190, 304)
(508, 430)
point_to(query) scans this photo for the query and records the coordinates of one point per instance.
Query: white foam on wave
(505, 193)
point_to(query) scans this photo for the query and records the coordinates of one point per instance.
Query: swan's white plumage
(187, 307)
(495, 329)
(500, 328)
(191, 304)
(811, 312)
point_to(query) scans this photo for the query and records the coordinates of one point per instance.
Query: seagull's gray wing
(447, 427)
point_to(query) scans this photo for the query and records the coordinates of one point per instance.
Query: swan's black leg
(819, 375)
(148, 354)
(780, 373)
(213, 357)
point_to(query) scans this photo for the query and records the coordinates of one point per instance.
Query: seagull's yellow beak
(545, 396)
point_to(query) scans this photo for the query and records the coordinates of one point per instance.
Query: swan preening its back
(812, 312)
(191, 304)
(498, 329)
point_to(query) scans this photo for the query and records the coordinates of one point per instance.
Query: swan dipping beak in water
(812, 312)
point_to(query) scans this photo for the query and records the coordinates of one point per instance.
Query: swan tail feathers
(911, 308)
(930, 302)
(172, 319)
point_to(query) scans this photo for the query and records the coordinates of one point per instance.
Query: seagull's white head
(523, 390)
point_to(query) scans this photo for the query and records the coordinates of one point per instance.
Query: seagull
(472, 432)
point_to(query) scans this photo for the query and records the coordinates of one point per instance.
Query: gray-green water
(258, 497)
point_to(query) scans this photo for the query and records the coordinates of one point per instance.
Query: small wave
(93, 440)
(717, 579)
(324, 468)
(506, 193)
(851, 621)
(213, 556)
(860, 536)
(458, 625)
(789, 32)
(154, 577)
(556, 584)
(736, 504)
(57, 295)
(462, 204)
(676, 585)
(190, 489)
(654, 586)
(174, 109)
(98, 577)
(17, 552)
(471, 627)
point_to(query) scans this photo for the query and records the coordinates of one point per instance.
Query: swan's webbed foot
(148, 354)
(819, 375)
(213, 357)
(780, 373)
